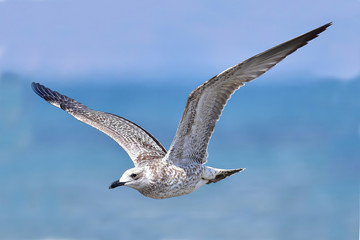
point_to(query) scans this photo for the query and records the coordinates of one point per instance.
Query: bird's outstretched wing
(138, 143)
(205, 103)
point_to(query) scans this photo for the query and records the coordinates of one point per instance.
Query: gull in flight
(180, 170)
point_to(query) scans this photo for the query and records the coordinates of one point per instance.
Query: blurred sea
(299, 144)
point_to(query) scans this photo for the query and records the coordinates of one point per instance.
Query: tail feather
(223, 174)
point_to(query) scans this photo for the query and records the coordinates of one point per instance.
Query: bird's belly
(175, 181)
(163, 191)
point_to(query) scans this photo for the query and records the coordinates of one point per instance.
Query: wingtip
(33, 84)
(40, 90)
(35, 87)
(323, 28)
(327, 25)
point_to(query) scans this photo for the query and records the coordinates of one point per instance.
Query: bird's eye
(133, 175)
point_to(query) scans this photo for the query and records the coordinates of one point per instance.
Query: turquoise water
(299, 144)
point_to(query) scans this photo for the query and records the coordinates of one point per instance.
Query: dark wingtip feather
(319, 30)
(35, 87)
(307, 37)
(44, 92)
(57, 99)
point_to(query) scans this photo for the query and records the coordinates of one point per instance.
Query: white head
(133, 177)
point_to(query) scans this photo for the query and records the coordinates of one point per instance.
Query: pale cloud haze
(161, 39)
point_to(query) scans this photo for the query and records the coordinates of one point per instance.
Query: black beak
(116, 184)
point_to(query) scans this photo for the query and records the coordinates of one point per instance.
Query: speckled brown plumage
(181, 170)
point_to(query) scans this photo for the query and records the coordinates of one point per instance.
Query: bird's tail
(223, 173)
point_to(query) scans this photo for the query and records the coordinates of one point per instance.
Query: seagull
(161, 174)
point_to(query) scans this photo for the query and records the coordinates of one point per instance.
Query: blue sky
(158, 40)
